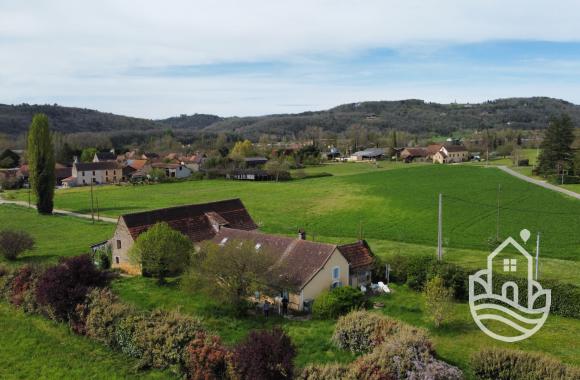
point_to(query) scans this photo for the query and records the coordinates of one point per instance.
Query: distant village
(136, 167)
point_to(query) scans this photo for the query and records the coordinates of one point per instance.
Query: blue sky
(152, 59)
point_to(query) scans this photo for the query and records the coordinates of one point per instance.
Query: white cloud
(79, 51)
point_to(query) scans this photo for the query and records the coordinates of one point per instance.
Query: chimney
(301, 234)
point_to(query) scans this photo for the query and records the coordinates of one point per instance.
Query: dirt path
(59, 212)
(540, 183)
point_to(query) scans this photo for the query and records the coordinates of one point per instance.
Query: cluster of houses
(109, 168)
(306, 267)
(436, 153)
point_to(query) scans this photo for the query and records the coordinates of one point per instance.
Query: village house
(85, 173)
(451, 154)
(414, 154)
(307, 267)
(173, 170)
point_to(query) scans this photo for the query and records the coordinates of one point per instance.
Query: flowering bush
(265, 355)
(207, 359)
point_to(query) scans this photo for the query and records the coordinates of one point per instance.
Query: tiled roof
(103, 165)
(299, 260)
(191, 220)
(357, 254)
(434, 148)
(417, 152)
(136, 164)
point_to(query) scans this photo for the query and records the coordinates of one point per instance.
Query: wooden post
(497, 218)
(92, 204)
(440, 230)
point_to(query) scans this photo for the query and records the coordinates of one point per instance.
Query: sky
(157, 59)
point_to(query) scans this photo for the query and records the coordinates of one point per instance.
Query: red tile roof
(192, 220)
(357, 254)
(300, 260)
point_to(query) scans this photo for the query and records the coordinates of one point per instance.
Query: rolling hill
(414, 116)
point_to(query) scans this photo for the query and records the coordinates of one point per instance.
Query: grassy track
(395, 205)
(32, 347)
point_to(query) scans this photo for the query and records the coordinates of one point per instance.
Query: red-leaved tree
(207, 359)
(62, 287)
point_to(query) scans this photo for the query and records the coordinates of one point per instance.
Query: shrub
(13, 243)
(103, 316)
(265, 355)
(338, 301)
(161, 337)
(565, 297)
(102, 258)
(503, 364)
(161, 251)
(207, 359)
(359, 331)
(60, 288)
(438, 301)
(454, 277)
(324, 372)
(125, 335)
(22, 288)
(405, 356)
(417, 270)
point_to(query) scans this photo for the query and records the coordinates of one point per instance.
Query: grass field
(398, 207)
(55, 236)
(394, 205)
(32, 347)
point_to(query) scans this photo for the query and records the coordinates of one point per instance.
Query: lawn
(394, 205)
(32, 347)
(55, 235)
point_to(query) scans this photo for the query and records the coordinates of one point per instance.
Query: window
(118, 244)
(106, 172)
(93, 172)
(116, 259)
(335, 273)
(83, 174)
(509, 265)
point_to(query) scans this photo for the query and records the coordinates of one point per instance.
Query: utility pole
(497, 221)
(92, 204)
(440, 230)
(537, 255)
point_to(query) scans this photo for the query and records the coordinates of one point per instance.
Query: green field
(398, 208)
(394, 205)
(32, 347)
(55, 235)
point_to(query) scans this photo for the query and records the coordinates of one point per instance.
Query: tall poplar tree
(557, 153)
(40, 154)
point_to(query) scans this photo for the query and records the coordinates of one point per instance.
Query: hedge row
(391, 350)
(416, 270)
(503, 364)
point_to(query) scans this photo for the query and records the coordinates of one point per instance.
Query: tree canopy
(41, 163)
(161, 251)
(557, 153)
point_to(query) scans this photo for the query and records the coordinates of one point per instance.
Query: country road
(540, 183)
(59, 212)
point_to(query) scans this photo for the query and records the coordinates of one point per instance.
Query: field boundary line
(58, 211)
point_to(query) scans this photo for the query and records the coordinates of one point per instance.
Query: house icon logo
(510, 314)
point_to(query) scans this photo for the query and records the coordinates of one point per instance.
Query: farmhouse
(307, 268)
(451, 154)
(173, 170)
(84, 173)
